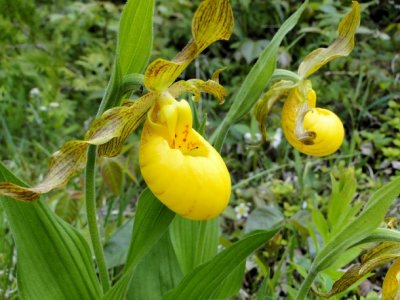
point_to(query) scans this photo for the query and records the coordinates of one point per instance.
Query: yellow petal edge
(179, 166)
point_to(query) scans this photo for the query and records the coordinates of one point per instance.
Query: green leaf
(355, 231)
(382, 234)
(369, 219)
(320, 223)
(342, 46)
(115, 249)
(231, 285)
(195, 242)
(157, 273)
(135, 39)
(151, 222)
(53, 259)
(256, 80)
(342, 194)
(263, 218)
(202, 282)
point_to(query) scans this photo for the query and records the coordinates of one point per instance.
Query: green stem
(110, 98)
(218, 138)
(306, 285)
(280, 74)
(90, 195)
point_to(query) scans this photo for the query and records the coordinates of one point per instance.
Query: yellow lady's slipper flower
(311, 130)
(391, 283)
(180, 167)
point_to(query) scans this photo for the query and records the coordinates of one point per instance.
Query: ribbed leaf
(231, 285)
(256, 80)
(135, 38)
(151, 222)
(340, 200)
(195, 242)
(156, 274)
(202, 282)
(53, 259)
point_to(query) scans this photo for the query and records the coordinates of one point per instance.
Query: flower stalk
(90, 200)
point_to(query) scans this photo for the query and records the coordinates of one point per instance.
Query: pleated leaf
(151, 222)
(195, 242)
(231, 285)
(157, 273)
(369, 219)
(53, 259)
(202, 282)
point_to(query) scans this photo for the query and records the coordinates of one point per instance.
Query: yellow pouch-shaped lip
(180, 167)
(325, 127)
(391, 284)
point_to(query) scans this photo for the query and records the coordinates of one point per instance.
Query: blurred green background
(55, 61)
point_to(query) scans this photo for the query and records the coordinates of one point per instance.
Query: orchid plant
(189, 184)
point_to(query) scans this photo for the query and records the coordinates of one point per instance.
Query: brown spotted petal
(134, 114)
(373, 259)
(64, 164)
(264, 105)
(197, 86)
(109, 131)
(213, 21)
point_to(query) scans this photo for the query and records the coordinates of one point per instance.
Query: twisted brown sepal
(110, 131)
(373, 259)
(212, 21)
(264, 105)
(342, 46)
